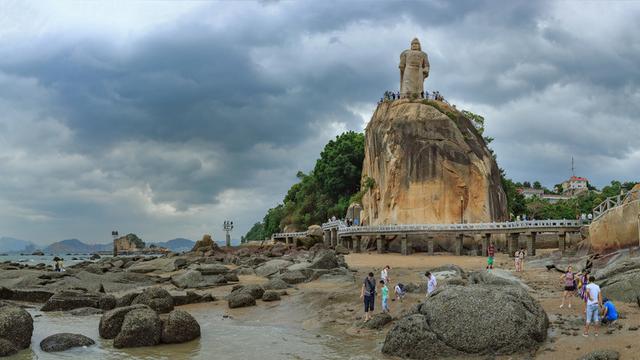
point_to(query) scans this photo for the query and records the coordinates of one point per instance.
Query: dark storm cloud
(231, 99)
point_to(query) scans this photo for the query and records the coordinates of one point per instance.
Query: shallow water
(251, 333)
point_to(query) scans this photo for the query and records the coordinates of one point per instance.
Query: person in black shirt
(368, 293)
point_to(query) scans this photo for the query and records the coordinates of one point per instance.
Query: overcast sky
(166, 118)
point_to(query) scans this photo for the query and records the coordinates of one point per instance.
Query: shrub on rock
(140, 327)
(64, 341)
(179, 327)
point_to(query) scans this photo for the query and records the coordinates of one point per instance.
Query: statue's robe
(414, 68)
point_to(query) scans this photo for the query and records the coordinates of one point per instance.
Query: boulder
(111, 321)
(378, 321)
(179, 327)
(70, 299)
(495, 277)
(341, 250)
(212, 269)
(601, 355)
(140, 327)
(420, 157)
(271, 295)
(162, 265)
(95, 257)
(29, 295)
(189, 279)
(256, 291)
(324, 259)
(276, 284)
(64, 341)
(231, 277)
(620, 280)
(86, 311)
(126, 299)
(206, 244)
(315, 232)
(156, 298)
(107, 302)
(469, 321)
(7, 348)
(272, 267)
(293, 277)
(240, 299)
(16, 326)
(180, 263)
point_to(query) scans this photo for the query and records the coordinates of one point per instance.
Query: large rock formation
(464, 321)
(619, 227)
(428, 164)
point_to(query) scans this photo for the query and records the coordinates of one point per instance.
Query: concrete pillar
(430, 242)
(531, 244)
(357, 247)
(562, 242)
(327, 238)
(458, 244)
(512, 243)
(405, 245)
(380, 244)
(486, 238)
(334, 236)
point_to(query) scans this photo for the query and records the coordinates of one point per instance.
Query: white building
(574, 185)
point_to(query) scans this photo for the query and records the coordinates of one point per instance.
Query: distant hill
(75, 246)
(13, 245)
(177, 245)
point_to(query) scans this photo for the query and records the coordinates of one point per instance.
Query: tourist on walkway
(432, 284)
(609, 312)
(368, 293)
(400, 291)
(385, 296)
(491, 252)
(569, 281)
(594, 303)
(384, 274)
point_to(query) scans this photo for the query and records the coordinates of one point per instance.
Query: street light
(228, 226)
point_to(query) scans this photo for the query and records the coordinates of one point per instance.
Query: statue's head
(415, 44)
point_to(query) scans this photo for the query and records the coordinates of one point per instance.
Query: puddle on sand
(274, 333)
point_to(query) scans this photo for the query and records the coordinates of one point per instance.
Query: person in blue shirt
(609, 312)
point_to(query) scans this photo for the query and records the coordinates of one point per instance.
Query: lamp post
(228, 226)
(114, 235)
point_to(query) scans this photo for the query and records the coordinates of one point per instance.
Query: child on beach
(400, 291)
(385, 296)
(491, 251)
(431, 284)
(384, 274)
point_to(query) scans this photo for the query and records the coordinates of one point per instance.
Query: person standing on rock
(384, 274)
(368, 293)
(516, 260)
(432, 283)
(491, 252)
(594, 303)
(384, 291)
(569, 280)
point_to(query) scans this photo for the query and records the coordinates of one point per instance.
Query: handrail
(613, 202)
(291, 234)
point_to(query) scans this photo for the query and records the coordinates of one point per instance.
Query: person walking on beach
(384, 274)
(516, 260)
(431, 283)
(384, 291)
(368, 293)
(491, 251)
(569, 281)
(594, 303)
(523, 254)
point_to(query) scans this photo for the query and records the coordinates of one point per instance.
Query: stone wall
(616, 229)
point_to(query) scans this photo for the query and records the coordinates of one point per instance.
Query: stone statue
(414, 68)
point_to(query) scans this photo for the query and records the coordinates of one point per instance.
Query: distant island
(76, 246)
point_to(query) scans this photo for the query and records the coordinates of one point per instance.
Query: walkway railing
(291, 234)
(613, 202)
(473, 227)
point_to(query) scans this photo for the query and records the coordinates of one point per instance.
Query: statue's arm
(426, 65)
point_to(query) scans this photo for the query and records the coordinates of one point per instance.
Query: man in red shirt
(491, 251)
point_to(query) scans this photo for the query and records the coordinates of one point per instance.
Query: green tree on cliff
(324, 192)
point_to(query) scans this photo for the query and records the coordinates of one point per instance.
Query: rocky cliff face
(424, 160)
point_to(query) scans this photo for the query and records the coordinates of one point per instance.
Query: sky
(166, 118)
